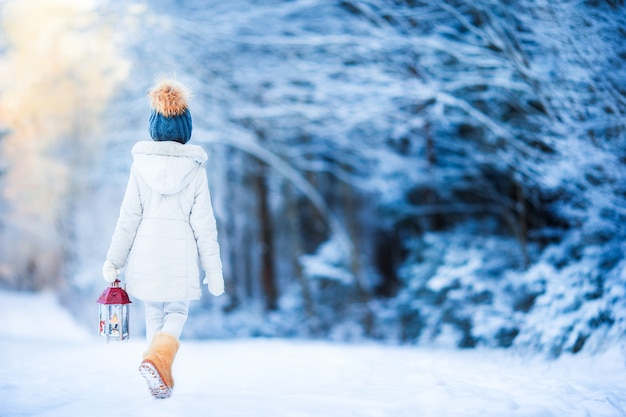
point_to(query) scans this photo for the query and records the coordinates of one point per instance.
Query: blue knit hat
(169, 117)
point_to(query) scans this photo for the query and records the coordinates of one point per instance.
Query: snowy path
(42, 375)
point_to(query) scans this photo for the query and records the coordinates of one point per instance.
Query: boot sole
(156, 385)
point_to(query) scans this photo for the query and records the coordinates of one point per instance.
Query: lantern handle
(115, 284)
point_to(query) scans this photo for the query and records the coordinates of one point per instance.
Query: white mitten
(109, 271)
(215, 283)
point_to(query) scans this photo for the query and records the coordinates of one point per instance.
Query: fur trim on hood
(167, 167)
(170, 148)
(169, 97)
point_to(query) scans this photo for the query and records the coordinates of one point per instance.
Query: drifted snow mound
(38, 317)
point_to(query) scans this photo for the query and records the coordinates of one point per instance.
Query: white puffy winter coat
(166, 224)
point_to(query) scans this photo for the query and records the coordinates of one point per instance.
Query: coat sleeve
(204, 228)
(127, 224)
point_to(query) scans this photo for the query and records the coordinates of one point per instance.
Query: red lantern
(114, 313)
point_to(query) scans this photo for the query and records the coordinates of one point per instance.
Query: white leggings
(169, 317)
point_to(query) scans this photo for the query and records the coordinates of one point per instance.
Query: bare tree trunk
(268, 279)
(522, 229)
(438, 221)
(352, 225)
(295, 239)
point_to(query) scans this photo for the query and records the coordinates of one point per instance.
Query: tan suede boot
(156, 367)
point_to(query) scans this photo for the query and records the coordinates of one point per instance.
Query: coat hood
(167, 167)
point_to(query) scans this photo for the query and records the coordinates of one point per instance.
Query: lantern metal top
(114, 295)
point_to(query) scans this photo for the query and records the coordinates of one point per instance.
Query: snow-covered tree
(421, 171)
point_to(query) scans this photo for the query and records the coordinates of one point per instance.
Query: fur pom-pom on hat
(170, 119)
(169, 97)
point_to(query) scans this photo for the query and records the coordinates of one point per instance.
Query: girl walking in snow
(165, 228)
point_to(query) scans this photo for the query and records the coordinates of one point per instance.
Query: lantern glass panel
(114, 320)
(103, 321)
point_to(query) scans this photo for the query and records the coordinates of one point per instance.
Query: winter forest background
(447, 173)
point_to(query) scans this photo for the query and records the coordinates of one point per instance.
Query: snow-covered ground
(52, 367)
